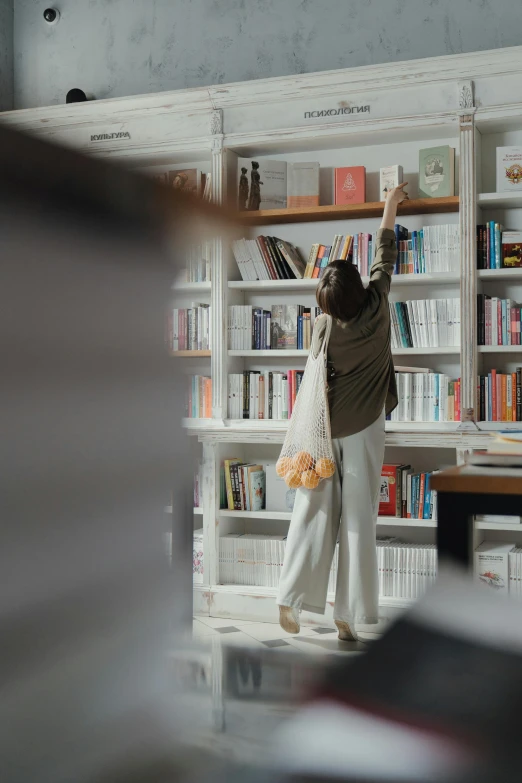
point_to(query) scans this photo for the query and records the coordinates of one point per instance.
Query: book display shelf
(373, 116)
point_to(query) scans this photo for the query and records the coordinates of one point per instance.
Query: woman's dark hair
(340, 292)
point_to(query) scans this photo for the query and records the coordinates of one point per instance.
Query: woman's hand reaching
(397, 195)
(394, 197)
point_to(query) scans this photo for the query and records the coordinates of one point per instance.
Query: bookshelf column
(468, 286)
(219, 278)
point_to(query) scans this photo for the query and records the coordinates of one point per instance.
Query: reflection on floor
(237, 688)
(318, 640)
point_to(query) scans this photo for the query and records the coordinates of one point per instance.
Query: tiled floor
(316, 640)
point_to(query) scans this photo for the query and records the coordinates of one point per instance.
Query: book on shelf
(492, 565)
(350, 185)
(251, 559)
(436, 172)
(188, 329)
(199, 397)
(425, 323)
(511, 249)
(302, 185)
(498, 321)
(268, 258)
(509, 169)
(245, 485)
(283, 327)
(279, 497)
(198, 557)
(404, 570)
(490, 249)
(259, 395)
(426, 396)
(199, 264)
(261, 184)
(432, 249)
(389, 178)
(406, 494)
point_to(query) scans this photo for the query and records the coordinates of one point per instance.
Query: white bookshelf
(412, 105)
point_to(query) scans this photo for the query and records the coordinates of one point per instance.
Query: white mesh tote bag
(307, 457)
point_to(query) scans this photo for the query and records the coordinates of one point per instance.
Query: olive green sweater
(361, 377)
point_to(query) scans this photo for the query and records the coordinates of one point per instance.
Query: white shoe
(289, 619)
(346, 632)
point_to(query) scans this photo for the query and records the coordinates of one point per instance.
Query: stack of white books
(405, 570)
(251, 559)
(425, 323)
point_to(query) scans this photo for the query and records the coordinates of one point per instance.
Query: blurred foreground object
(438, 699)
(91, 449)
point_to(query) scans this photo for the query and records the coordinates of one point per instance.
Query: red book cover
(517, 329)
(513, 396)
(388, 494)
(499, 323)
(350, 185)
(457, 400)
(512, 325)
(503, 392)
(421, 495)
(494, 395)
(320, 256)
(488, 247)
(512, 255)
(267, 258)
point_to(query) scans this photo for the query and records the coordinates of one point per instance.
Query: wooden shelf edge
(370, 209)
(189, 354)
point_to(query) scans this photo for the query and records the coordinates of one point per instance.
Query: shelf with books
(422, 206)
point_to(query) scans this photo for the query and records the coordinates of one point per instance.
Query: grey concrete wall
(123, 47)
(6, 55)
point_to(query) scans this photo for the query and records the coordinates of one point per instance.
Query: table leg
(455, 528)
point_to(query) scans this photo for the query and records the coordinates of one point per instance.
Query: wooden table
(460, 496)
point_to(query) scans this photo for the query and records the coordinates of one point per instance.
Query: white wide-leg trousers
(343, 508)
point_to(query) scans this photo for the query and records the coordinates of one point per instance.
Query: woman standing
(361, 392)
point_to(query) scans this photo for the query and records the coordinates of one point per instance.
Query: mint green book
(436, 172)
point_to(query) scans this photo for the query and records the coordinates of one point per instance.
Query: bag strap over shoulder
(326, 338)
